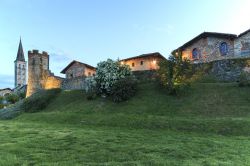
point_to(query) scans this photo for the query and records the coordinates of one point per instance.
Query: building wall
(39, 75)
(79, 70)
(209, 49)
(76, 70)
(149, 63)
(5, 92)
(89, 72)
(20, 73)
(242, 46)
(73, 83)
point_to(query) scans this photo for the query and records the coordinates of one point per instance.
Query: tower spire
(20, 54)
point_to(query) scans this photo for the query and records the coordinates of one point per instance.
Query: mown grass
(210, 125)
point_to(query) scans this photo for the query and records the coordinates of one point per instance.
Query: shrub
(1, 106)
(244, 79)
(124, 89)
(22, 95)
(90, 88)
(12, 98)
(1, 99)
(39, 100)
(175, 73)
(108, 73)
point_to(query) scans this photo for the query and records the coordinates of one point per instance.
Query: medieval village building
(144, 62)
(78, 69)
(210, 46)
(206, 47)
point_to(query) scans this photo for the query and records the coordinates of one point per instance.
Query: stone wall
(209, 49)
(73, 83)
(39, 75)
(242, 46)
(4, 92)
(228, 70)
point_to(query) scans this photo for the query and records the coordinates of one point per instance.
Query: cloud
(6, 81)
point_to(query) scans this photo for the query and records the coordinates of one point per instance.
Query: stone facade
(242, 45)
(78, 69)
(20, 67)
(39, 75)
(144, 62)
(208, 47)
(76, 83)
(4, 92)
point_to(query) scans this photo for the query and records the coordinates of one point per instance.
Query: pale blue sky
(94, 30)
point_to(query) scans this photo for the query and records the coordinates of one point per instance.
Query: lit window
(141, 62)
(223, 48)
(195, 54)
(133, 64)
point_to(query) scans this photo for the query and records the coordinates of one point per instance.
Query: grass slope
(209, 126)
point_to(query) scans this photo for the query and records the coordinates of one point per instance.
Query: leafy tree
(175, 72)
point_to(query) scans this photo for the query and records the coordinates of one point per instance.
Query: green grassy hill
(208, 126)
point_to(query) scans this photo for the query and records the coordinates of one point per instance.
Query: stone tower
(39, 75)
(20, 67)
(38, 71)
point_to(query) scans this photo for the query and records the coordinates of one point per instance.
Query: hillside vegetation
(210, 125)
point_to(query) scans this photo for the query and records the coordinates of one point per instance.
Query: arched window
(223, 48)
(195, 53)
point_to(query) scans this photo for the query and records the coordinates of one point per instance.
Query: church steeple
(20, 54)
(20, 67)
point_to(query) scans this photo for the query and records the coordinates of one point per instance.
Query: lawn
(210, 125)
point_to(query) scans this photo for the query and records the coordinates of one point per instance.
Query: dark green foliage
(12, 98)
(175, 73)
(91, 95)
(39, 100)
(244, 79)
(22, 95)
(124, 89)
(1, 106)
(1, 99)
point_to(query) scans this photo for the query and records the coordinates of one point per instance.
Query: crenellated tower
(20, 67)
(39, 75)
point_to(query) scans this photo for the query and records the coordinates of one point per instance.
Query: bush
(124, 89)
(108, 73)
(1, 106)
(244, 79)
(90, 88)
(175, 73)
(12, 98)
(22, 95)
(1, 100)
(39, 100)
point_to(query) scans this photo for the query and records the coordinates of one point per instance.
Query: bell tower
(20, 67)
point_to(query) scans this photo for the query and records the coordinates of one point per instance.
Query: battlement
(36, 52)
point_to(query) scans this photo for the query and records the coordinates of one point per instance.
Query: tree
(175, 72)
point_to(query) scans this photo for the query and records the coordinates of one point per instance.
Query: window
(89, 74)
(195, 53)
(141, 62)
(133, 64)
(223, 48)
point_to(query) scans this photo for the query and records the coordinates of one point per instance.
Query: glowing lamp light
(122, 63)
(154, 62)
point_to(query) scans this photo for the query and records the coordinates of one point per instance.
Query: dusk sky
(94, 30)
